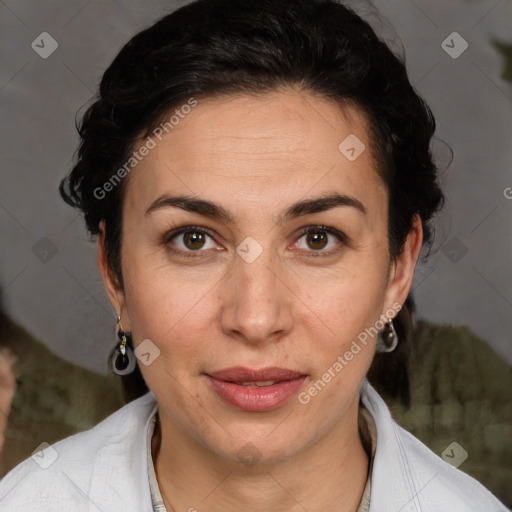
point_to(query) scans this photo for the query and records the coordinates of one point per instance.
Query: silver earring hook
(119, 322)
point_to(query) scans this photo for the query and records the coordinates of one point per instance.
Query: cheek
(175, 321)
(348, 300)
(344, 344)
(344, 338)
(164, 300)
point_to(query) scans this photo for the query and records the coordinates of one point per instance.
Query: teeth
(257, 384)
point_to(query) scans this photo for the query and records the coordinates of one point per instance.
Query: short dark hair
(214, 47)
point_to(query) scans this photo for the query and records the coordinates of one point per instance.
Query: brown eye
(316, 240)
(321, 239)
(194, 240)
(190, 239)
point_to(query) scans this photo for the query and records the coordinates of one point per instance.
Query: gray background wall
(47, 265)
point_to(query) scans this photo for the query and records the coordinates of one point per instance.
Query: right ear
(114, 291)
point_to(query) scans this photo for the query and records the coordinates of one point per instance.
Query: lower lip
(256, 399)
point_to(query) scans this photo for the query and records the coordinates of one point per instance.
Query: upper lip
(242, 374)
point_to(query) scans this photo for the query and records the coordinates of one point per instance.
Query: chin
(253, 445)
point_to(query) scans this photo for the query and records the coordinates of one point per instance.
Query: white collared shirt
(105, 469)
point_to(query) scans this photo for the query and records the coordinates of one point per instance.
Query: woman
(259, 178)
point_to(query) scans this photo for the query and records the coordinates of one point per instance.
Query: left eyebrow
(215, 211)
(320, 204)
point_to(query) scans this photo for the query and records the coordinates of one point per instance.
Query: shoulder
(408, 476)
(441, 486)
(79, 469)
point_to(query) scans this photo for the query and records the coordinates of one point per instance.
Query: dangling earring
(123, 358)
(388, 338)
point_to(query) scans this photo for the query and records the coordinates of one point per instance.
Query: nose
(257, 304)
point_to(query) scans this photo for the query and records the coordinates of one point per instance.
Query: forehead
(259, 148)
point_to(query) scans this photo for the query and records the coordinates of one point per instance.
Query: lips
(255, 390)
(239, 375)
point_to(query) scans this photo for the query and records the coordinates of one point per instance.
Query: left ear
(402, 269)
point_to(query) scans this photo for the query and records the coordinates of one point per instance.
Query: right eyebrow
(191, 204)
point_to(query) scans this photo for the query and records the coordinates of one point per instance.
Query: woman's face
(243, 286)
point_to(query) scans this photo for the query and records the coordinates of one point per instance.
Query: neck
(329, 475)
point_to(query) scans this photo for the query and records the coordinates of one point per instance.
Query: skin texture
(291, 307)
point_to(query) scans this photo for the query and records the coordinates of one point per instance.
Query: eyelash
(197, 229)
(331, 231)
